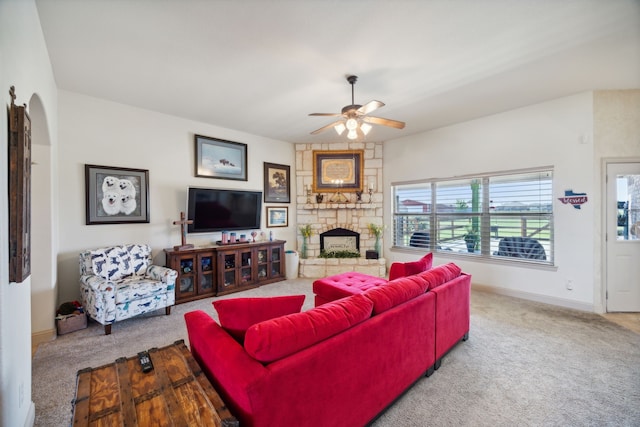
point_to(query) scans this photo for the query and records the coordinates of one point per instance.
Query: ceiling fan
(355, 117)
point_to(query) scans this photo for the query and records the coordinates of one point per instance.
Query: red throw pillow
(399, 269)
(277, 338)
(238, 314)
(440, 275)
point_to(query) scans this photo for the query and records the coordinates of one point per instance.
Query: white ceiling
(262, 66)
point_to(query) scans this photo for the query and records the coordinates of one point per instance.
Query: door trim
(604, 286)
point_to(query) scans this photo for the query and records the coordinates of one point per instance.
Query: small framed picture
(116, 195)
(217, 158)
(276, 183)
(277, 216)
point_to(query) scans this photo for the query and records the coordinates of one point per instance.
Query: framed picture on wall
(338, 171)
(217, 158)
(277, 216)
(276, 183)
(116, 195)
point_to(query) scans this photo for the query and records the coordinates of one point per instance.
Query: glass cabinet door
(187, 284)
(276, 260)
(263, 263)
(229, 271)
(207, 274)
(245, 267)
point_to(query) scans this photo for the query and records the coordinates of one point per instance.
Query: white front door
(623, 237)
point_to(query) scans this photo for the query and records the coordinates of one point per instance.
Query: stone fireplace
(342, 224)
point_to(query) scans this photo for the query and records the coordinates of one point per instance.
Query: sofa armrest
(452, 312)
(162, 274)
(231, 370)
(98, 297)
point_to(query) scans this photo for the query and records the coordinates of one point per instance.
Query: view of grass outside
(473, 216)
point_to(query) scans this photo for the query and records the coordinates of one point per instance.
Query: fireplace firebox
(340, 239)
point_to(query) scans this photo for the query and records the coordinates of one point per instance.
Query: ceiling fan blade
(323, 128)
(370, 106)
(384, 122)
(326, 114)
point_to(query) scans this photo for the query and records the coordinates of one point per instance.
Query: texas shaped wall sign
(574, 199)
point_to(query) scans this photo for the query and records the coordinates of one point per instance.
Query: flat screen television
(212, 210)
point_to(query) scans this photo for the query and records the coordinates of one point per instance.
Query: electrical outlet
(569, 284)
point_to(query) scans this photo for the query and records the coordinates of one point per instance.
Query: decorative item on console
(183, 232)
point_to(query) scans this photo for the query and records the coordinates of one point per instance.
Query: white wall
(95, 131)
(558, 133)
(24, 63)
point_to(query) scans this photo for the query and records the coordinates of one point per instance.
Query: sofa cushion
(440, 275)
(395, 293)
(277, 338)
(111, 263)
(134, 288)
(238, 314)
(140, 258)
(403, 269)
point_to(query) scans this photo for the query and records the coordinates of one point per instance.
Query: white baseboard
(561, 302)
(31, 416)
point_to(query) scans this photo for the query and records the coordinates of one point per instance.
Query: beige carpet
(525, 364)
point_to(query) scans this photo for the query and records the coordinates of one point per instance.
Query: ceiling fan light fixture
(355, 117)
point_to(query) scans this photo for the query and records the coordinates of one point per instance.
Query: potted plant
(471, 239)
(306, 232)
(376, 230)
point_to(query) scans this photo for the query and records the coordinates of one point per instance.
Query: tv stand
(222, 269)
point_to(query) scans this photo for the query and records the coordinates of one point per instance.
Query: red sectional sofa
(451, 287)
(341, 363)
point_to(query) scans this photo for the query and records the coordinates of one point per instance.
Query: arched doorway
(43, 270)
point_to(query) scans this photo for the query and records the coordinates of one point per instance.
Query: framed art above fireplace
(338, 171)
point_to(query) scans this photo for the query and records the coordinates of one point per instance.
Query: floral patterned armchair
(120, 282)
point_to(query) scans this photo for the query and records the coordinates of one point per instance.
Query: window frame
(428, 221)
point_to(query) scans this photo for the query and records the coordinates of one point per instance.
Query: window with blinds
(507, 215)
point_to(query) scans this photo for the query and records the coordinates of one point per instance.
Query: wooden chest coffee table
(175, 393)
